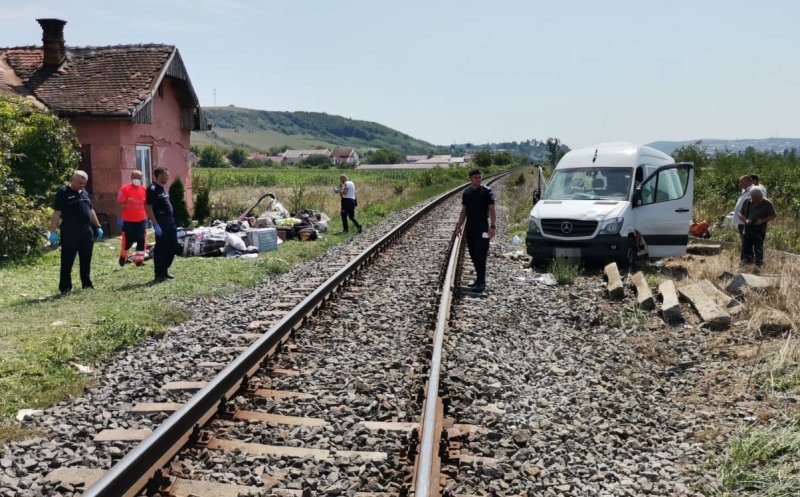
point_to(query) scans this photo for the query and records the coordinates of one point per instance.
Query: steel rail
(424, 485)
(133, 472)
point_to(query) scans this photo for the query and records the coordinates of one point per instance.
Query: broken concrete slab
(670, 307)
(746, 281)
(644, 296)
(776, 323)
(716, 317)
(615, 288)
(722, 299)
(704, 249)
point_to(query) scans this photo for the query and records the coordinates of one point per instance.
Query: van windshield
(590, 183)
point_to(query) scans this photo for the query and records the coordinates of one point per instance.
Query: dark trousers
(753, 245)
(349, 211)
(166, 247)
(81, 244)
(133, 233)
(478, 250)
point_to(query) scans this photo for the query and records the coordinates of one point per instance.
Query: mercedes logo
(566, 227)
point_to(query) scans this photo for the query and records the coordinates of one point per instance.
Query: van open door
(663, 209)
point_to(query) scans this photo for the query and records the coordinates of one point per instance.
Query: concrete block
(670, 307)
(743, 281)
(615, 288)
(716, 317)
(644, 296)
(775, 324)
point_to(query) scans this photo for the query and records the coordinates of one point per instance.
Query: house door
(144, 163)
(664, 209)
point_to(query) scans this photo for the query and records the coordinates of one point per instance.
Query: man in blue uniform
(159, 210)
(74, 208)
(477, 208)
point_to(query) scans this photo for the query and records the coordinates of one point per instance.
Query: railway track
(542, 392)
(308, 402)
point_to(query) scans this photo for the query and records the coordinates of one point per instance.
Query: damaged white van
(613, 202)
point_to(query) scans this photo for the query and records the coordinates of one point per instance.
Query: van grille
(568, 227)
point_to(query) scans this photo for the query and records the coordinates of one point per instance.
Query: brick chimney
(53, 41)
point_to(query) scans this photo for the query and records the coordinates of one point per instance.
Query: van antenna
(602, 131)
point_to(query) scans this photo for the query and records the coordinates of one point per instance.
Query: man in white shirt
(745, 182)
(348, 193)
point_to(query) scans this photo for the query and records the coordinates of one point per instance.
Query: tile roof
(102, 81)
(342, 153)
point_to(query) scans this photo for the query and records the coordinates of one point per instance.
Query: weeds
(565, 272)
(632, 318)
(763, 460)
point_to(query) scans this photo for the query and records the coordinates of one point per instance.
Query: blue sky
(473, 71)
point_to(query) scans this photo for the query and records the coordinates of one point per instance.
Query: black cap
(474, 172)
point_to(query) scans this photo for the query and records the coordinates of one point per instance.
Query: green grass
(518, 196)
(565, 272)
(42, 333)
(762, 461)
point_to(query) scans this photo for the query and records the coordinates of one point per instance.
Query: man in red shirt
(133, 220)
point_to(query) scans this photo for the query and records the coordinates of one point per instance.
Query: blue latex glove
(149, 224)
(158, 230)
(336, 190)
(119, 222)
(99, 234)
(53, 237)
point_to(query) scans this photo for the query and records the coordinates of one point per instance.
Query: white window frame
(144, 162)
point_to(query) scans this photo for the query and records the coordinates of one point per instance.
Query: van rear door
(663, 209)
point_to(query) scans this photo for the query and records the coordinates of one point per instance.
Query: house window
(143, 163)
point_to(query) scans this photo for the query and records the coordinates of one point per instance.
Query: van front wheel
(629, 257)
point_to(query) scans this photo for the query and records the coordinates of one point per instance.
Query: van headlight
(533, 224)
(611, 226)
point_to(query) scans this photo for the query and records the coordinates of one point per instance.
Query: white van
(613, 202)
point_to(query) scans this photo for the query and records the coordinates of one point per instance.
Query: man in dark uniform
(159, 210)
(74, 208)
(477, 204)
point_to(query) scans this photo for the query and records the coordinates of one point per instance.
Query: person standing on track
(477, 209)
(159, 210)
(348, 193)
(74, 208)
(133, 220)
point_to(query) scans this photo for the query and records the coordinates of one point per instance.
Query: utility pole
(215, 97)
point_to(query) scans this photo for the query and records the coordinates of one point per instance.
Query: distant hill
(762, 144)
(262, 129)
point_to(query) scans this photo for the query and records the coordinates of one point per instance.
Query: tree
(202, 203)
(212, 156)
(502, 158)
(384, 156)
(316, 160)
(554, 151)
(178, 200)
(482, 159)
(40, 150)
(237, 156)
(22, 221)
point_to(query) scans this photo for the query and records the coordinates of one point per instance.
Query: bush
(21, 221)
(212, 156)
(178, 200)
(564, 271)
(39, 149)
(202, 203)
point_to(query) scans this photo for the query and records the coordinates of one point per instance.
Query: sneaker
(169, 276)
(479, 288)
(359, 228)
(473, 284)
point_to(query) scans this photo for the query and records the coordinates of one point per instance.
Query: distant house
(275, 159)
(295, 156)
(414, 158)
(346, 156)
(442, 160)
(133, 106)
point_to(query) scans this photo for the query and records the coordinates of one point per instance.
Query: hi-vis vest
(132, 199)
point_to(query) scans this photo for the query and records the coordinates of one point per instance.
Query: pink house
(133, 106)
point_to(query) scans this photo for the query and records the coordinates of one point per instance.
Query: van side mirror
(637, 196)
